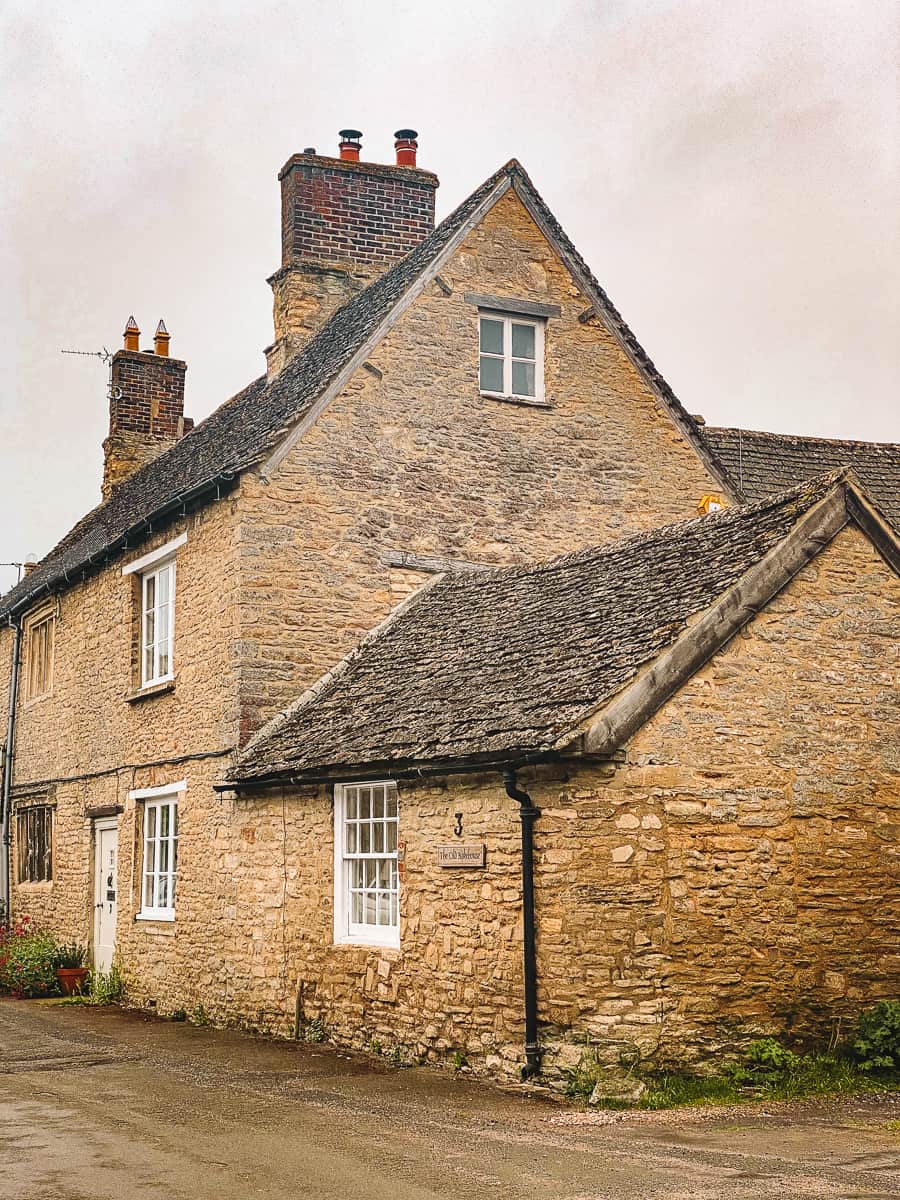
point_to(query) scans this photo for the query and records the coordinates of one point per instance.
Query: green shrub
(876, 1045)
(768, 1055)
(70, 956)
(27, 960)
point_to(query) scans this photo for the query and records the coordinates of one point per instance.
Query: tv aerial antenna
(104, 355)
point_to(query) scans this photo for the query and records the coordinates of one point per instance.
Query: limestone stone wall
(87, 743)
(734, 873)
(413, 458)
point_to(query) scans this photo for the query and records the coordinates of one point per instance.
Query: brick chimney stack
(146, 405)
(343, 223)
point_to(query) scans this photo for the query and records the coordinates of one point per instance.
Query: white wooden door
(106, 837)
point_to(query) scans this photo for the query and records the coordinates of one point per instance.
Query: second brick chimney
(146, 405)
(343, 222)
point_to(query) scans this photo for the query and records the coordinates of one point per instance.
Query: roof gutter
(218, 483)
(342, 773)
(8, 760)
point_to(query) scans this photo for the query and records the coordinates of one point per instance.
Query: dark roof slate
(761, 464)
(498, 664)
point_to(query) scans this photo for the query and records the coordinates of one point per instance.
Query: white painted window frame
(149, 566)
(156, 798)
(155, 675)
(139, 565)
(346, 932)
(510, 319)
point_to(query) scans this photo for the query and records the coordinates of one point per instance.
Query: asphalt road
(105, 1105)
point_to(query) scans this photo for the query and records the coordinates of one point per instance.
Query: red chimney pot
(406, 146)
(350, 144)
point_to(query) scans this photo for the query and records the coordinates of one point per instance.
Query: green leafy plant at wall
(70, 957)
(876, 1045)
(27, 960)
(102, 988)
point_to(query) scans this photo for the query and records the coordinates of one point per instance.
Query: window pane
(365, 802)
(523, 379)
(149, 592)
(523, 341)
(351, 838)
(391, 803)
(162, 892)
(390, 835)
(365, 840)
(378, 802)
(164, 855)
(491, 336)
(163, 580)
(384, 908)
(378, 838)
(491, 379)
(351, 803)
(164, 820)
(151, 822)
(148, 891)
(356, 908)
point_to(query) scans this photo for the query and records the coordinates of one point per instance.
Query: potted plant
(70, 969)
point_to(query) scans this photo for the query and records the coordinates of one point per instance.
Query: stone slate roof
(502, 664)
(761, 464)
(250, 424)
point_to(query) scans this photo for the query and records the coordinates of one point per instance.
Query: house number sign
(461, 854)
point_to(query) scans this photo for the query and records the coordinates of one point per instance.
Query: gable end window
(41, 633)
(511, 357)
(366, 881)
(34, 844)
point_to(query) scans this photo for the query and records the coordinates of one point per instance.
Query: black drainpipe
(528, 814)
(5, 796)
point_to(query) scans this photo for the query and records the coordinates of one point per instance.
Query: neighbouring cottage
(457, 517)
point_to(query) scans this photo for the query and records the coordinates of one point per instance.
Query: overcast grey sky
(730, 170)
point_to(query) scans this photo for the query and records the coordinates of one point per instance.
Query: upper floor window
(34, 844)
(40, 632)
(156, 572)
(367, 884)
(511, 357)
(157, 623)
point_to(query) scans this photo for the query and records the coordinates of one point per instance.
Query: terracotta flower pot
(71, 979)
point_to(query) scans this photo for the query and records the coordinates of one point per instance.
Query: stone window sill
(155, 689)
(35, 886)
(156, 926)
(521, 401)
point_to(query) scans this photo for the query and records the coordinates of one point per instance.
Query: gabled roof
(508, 665)
(251, 424)
(761, 464)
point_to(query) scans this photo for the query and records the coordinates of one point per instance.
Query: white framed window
(366, 868)
(511, 356)
(159, 864)
(156, 572)
(157, 623)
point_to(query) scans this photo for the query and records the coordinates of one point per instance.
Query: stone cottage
(408, 693)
